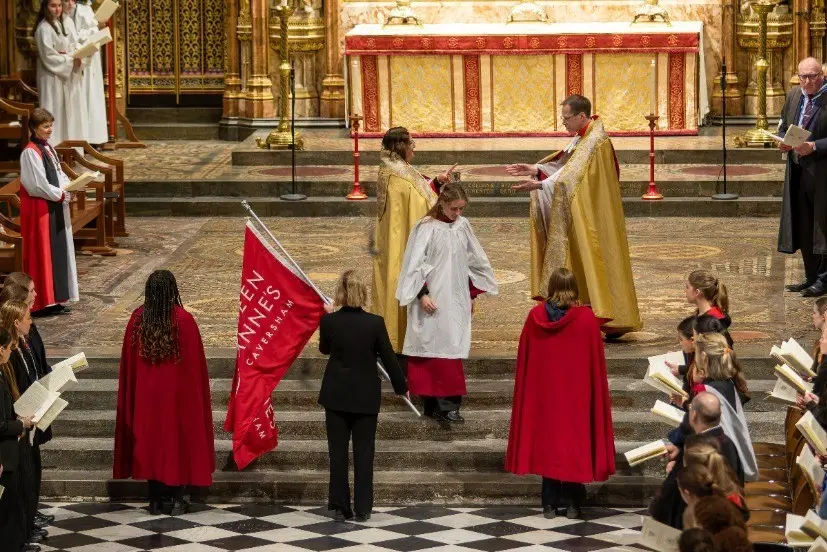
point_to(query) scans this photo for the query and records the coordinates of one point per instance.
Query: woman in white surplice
(443, 270)
(59, 76)
(83, 16)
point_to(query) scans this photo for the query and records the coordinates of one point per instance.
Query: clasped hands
(524, 169)
(430, 307)
(803, 150)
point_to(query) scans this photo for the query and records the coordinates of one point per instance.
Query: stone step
(479, 424)
(312, 367)
(180, 115)
(495, 187)
(176, 131)
(627, 394)
(390, 487)
(224, 206)
(487, 455)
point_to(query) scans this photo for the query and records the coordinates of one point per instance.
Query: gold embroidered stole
(391, 164)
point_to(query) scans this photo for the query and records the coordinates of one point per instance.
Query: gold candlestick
(758, 135)
(283, 137)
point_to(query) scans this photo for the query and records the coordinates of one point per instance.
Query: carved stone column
(734, 97)
(818, 25)
(332, 103)
(259, 97)
(232, 62)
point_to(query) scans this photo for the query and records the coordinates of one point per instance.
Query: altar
(509, 79)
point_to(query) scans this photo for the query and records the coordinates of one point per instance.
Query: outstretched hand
(527, 186)
(446, 176)
(521, 169)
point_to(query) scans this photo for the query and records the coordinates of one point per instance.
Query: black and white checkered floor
(111, 527)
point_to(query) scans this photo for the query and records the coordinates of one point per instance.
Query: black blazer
(10, 429)
(354, 338)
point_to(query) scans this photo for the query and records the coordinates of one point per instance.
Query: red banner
(279, 312)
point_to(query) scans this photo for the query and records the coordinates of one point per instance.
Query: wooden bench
(12, 88)
(114, 183)
(14, 133)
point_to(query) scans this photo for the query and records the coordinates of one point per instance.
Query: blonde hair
(351, 291)
(452, 191)
(711, 288)
(708, 456)
(562, 288)
(11, 312)
(714, 360)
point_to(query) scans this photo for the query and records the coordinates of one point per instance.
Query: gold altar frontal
(508, 80)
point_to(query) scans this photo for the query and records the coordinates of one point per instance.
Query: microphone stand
(724, 196)
(293, 195)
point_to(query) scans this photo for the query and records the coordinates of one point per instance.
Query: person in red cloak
(164, 428)
(561, 417)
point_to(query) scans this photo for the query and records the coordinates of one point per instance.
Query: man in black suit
(804, 208)
(705, 420)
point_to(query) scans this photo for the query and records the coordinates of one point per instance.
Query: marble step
(626, 394)
(312, 366)
(329, 206)
(176, 131)
(488, 455)
(390, 487)
(180, 115)
(479, 424)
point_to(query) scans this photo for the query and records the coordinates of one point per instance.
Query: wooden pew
(115, 185)
(12, 88)
(14, 133)
(11, 242)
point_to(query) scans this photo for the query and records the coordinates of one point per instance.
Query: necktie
(808, 112)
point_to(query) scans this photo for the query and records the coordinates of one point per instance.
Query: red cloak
(561, 418)
(164, 428)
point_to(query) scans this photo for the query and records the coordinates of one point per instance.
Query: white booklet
(794, 137)
(660, 537)
(94, 43)
(659, 377)
(35, 402)
(795, 356)
(79, 184)
(814, 526)
(820, 545)
(60, 379)
(791, 378)
(813, 432)
(811, 467)
(646, 452)
(77, 362)
(668, 413)
(106, 10)
(795, 535)
(784, 394)
(50, 415)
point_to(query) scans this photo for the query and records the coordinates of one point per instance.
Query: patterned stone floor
(86, 527)
(205, 254)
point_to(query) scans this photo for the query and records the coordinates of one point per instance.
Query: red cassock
(561, 418)
(164, 428)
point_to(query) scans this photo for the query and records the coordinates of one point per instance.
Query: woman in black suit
(351, 393)
(13, 518)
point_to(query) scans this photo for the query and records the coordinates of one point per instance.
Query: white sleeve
(33, 177)
(86, 25)
(75, 42)
(54, 62)
(479, 267)
(415, 269)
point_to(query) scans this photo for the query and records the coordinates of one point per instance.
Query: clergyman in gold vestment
(403, 196)
(577, 220)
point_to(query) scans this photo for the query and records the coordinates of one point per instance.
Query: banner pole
(324, 297)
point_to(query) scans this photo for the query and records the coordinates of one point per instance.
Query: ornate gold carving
(650, 11)
(526, 12)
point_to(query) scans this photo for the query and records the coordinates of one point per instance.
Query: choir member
(59, 78)
(351, 393)
(710, 297)
(561, 417)
(45, 220)
(83, 17)
(12, 507)
(16, 319)
(443, 259)
(403, 196)
(164, 428)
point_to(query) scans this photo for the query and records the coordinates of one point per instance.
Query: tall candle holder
(758, 135)
(356, 193)
(652, 193)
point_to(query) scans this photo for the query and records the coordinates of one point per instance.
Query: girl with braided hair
(163, 428)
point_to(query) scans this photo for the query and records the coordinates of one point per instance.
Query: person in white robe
(45, 220)
(59, 76)
(443, 270)
(83, 17)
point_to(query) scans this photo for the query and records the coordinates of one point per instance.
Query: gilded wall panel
(420, 93)
(622, 103)
(514, 109)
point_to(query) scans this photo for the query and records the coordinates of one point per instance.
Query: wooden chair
(11, 242)
(12, 88)
(114, 181)
(14, 133)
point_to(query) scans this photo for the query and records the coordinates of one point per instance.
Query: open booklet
(783, 394)
(106, 10)
(79, 184)
(662, 379)
(35, 402)
(668, 413)
(820, 545)
(795, 356)
(77, 363)
(791, 378)
(646, 452)
(794, 137)
(94, 43)
(811, 467)
(814, 526)
(60, 379)
(658, 536)
(813, 432)
(794, 533)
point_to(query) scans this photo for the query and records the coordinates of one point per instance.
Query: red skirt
(436, 377)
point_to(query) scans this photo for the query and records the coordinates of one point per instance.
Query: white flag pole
(324, 297)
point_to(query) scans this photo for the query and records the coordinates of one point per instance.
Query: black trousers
(441, 404)
(158, 491)
(38, 470)
(28, 484)
(558, 494)
(12, 513)
(803, 214)
(341, 428)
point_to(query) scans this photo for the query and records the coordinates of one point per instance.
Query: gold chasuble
(403, 197)
(578, 223)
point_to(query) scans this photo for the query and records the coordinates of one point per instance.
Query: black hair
(155, 329)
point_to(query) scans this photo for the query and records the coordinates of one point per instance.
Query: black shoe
(797, 288)
(40, 524)
(573, 512)
(816, 290)
(35, 539)
(549, 512)
(44, 517)
(341, 516)
(42, 533)
(30, 548)
(452, 416)
(179, 508)
(156, 508)
(361, 518)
